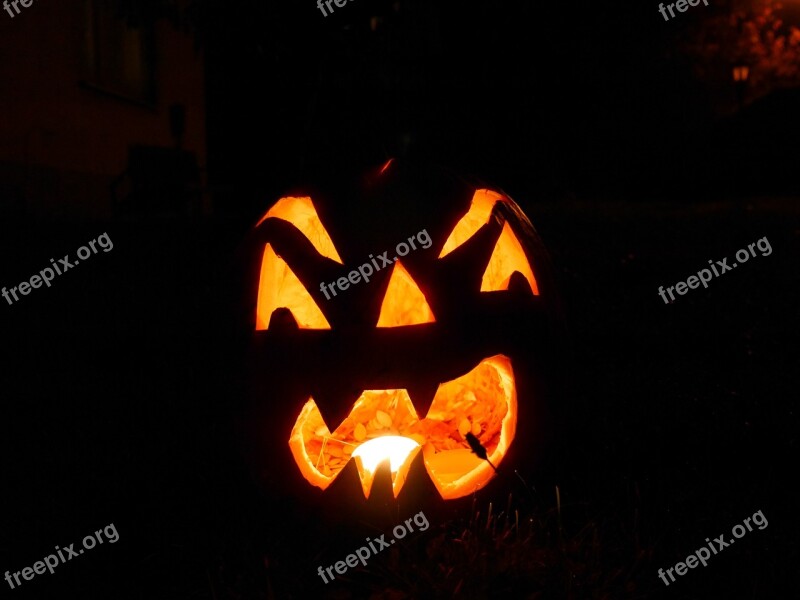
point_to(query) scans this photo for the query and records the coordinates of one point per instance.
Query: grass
(517, 552)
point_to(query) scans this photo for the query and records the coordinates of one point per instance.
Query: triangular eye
(477, 216)
(507, 257)
(404, 303)
(279, 287)
(301, 213)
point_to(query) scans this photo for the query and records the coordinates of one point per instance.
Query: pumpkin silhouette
(394, 318)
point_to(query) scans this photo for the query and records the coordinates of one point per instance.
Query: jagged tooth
(335, 408)
(323, 479)
(422, 395)
(399, 478)
(367, 477)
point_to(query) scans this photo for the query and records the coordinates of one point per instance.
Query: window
(119, 52)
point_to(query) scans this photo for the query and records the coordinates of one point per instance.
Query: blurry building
(101, 111)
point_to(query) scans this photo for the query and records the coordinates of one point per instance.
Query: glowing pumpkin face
(483, 251)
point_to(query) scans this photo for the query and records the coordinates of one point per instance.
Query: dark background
(122, 384)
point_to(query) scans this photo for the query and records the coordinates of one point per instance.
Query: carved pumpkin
(395, 371)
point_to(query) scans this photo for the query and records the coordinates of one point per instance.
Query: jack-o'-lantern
(397, 345)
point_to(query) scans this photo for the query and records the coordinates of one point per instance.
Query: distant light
(741, 73)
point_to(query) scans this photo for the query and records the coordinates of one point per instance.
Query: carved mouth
(383, 426)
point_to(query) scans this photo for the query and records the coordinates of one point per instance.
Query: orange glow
(477, 216)
(279, 287)
(397, 450)
(301, 213)
(484, 401)
(376, 414)
(404, 303)
(386, 166)
(383, 426)
(507, 257)
(309, 425)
